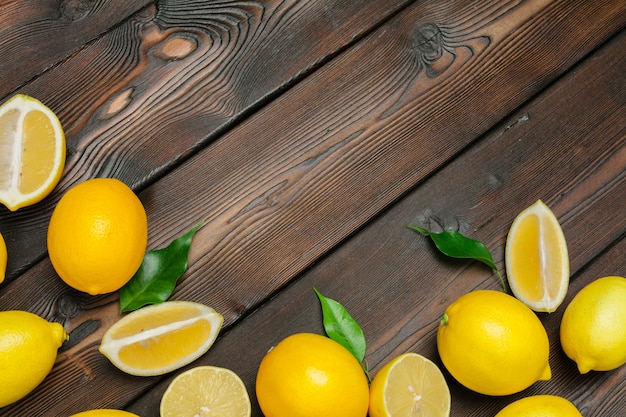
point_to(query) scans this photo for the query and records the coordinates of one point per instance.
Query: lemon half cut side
(410, 385)
(32, 151)
(536, 258)
(160, 338)
(206, 391)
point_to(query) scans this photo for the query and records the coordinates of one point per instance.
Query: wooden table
(307, 135)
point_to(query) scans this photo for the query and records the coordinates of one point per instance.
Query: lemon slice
(160, 338)
(32, 151)
(206, 391)
(537, 264)
(409, 386)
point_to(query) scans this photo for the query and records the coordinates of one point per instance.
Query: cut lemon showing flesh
(32, 151)
(409, 386)
(160, 338)
(537, 263)
(206, 391)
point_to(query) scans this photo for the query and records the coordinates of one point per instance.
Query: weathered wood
(296, 179)
(396, 285)
(37, 35)
(152, 91)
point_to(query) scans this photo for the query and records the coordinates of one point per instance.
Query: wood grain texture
(396, 284)
(37, 35)
(403, 109)
(172, 79)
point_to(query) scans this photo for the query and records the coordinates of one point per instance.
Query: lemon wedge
(160, 338)
(32, 151)
(206, 391)
(410, 385)
(537, 263)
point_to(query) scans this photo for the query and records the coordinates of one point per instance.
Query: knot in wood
(428, 43)
(74, 10)
(68, 306)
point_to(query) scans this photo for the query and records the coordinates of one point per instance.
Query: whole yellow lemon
(3, 258)
(98, 235)
(28, 349)
(493, 344)
(309, 375)
(540, 406)
(593, 328)
(105, 412)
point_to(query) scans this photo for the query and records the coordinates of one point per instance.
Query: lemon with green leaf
(493, 344)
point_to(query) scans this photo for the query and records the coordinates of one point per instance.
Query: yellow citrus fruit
(409, 386)
(103, 412)
(3, 258)
(593, 328)
(32, 156)
(28, 349)
(537, 263)
(160, 338)
(98, 235)
(206, 391)
(540, 406)
(493, 344)
(309, 375)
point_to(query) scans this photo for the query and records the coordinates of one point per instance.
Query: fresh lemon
(206, 391)
(409, 386)
(540, 406)
(160, 338)
(28, 349)
(98, 235)
(3, 258)
(593, 328)
(309, 375)
(537, 263)
(493, 344)
(33, 151)
(105, 413)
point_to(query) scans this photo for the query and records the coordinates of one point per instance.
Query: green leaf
(455, 245)
(156, 278)
(341, 327)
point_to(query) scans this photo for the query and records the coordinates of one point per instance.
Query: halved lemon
(206, 391)
(537, 263)
(411, 385)
(32, 151)
(160, 338)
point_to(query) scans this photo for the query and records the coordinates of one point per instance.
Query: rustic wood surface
(307, 135)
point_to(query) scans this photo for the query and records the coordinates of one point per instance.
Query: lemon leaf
(156, 278)
(341, 327)
(456, 245)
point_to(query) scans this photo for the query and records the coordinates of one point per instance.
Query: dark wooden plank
(36, 35)
(396, 285)
(293, 181)
(141, 99)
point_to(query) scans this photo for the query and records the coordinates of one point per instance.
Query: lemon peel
(28, 350)
(593, 327)
(309, 375)
(493, 344)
